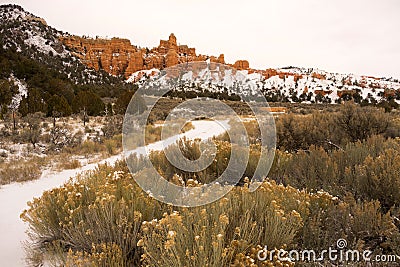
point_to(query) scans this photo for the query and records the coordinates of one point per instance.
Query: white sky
(345, 36)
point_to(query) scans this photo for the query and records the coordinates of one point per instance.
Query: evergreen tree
(58, 105)
(90, 102)
(7, 91)
(138, 104)
(32, 103)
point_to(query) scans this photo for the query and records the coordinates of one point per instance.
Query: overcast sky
(346, 36)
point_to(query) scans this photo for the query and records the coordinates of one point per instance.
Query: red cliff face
(111, 55)
(119, 57)
(241, 65)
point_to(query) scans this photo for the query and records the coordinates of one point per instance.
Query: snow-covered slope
(286, 84)
(28, 35)
(22, 92)
(29, 30)
(24, 33)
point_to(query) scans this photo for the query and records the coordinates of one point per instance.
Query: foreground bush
(103, 209)
(219, 233)
(103, 218)
(368, 170)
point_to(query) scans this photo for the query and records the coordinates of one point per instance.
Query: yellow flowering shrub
(220, 233)
(102, 218)
(103, 206)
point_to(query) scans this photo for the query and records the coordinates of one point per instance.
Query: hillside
(23, 33)
(37, 69)
(34, 56)
(289, 84)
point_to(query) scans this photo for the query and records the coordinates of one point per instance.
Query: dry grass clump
(68, 164)
(21, 170)
(101, 255)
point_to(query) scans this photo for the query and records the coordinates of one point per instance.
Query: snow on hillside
(42, 44)
(28, 35)
(142, 75)
(32, 30)
(291, 84)
(22, 92)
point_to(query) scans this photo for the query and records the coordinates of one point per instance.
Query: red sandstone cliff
(119, 57)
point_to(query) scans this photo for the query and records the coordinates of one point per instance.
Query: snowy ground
(13, 197)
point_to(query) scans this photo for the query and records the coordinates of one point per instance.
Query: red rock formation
(171, 59)
(297, 77)
(340, 93)
(363, 83)
(241, 65)
(318, 76)
(374, 85)
(268, 73)
(119, 57)
(372, 77)
(221, 59)
(389, 92)
(135, 63)
(322, 92)
(112, 55)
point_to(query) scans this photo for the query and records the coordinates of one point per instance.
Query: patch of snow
(138, 75)
(42, 44)
(22, 92)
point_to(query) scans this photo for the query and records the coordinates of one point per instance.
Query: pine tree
(32, 103)
(7, 90)
(138, 105)
(58, 105)
(90, 102)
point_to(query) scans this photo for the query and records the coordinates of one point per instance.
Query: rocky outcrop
(340, 93)
(34, 18)
(113, 56)
(135, 63)
(322, 92)
(318, 76)
(241, 65)
(119, 57)
(171, 59)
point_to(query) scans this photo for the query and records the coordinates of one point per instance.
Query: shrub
(21, 170)
(104, 219)
(111, 146)
(359, 123)
(100, 210)
(69, 164)
(368, 170)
